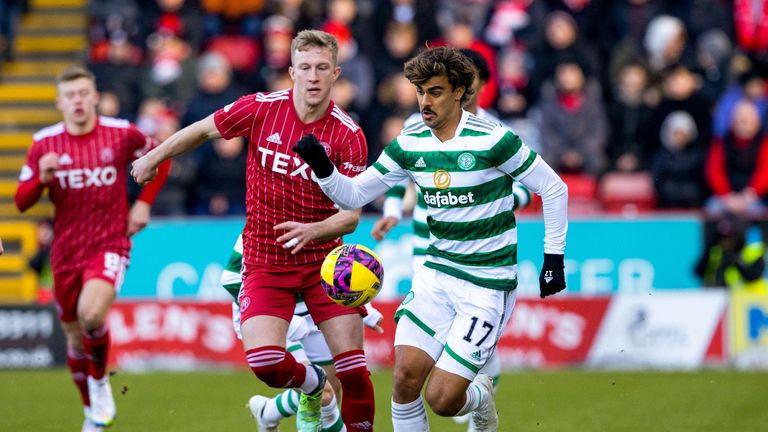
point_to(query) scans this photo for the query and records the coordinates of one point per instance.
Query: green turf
(527, 401)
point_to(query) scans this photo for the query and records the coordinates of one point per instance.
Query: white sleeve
(542, 180)
(353, 193)
(393, 207)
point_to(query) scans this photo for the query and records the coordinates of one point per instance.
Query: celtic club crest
(466, 161)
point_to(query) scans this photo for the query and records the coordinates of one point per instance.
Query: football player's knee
(275, 375)
(90, 320)
(406, 383)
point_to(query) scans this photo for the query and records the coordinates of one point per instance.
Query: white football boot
(88, 424)
(256, 405)
(103, 408)
(485, 418)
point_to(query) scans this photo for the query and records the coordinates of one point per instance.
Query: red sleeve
(150, 191)
(139, 143)
(759, 181)
(30, 188)
(715, 169)
(353, 159)
(236, 118)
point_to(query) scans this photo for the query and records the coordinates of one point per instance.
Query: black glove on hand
(552, 277)
(309, 148)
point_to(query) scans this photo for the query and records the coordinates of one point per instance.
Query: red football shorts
(68, 283)
(272, 290)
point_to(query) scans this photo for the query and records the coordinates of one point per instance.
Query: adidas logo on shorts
(475, 356)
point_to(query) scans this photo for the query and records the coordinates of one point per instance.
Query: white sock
(332, 417)
(410, 417)
(475, 395)
(282, 406)
(311, 380)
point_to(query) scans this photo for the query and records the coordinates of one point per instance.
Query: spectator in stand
(214, 87)
(737, 165)
(665, 43)
(713, 56)
(562, 42)
(750, 86)
(355, 65)
(278, 33)
(176, 17)
(574, 127)
(422, 14)
(629, 115)
(394, 94)
(400, 44)
(242, 15)
(751, 26)
(515, 22)
(171, 71)
(155, 119)
(515, 91)
(220, 178)
(459, 33)
(589, 15)
(117, 66)
(109, 104)
(680, 92)
(303, 14)
(679, 164)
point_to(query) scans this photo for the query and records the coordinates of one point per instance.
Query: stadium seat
(627, 192)
(243, 52)
(582, 194)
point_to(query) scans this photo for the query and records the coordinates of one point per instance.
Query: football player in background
(83, 162)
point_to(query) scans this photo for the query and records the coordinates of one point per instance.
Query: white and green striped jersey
(466, 183)
(394, 199)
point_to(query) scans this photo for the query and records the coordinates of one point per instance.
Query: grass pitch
(565, 400)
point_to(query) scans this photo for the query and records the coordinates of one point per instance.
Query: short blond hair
(307, 39)
(74, 72)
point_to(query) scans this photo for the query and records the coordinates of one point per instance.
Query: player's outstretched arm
(347, 193)
(542, 180)
(144, 169)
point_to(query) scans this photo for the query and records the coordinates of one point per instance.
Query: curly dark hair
(442, 61)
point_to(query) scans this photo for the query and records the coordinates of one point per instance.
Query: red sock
(78, 366)
(276, 367)
(357, 400)
(97, 350)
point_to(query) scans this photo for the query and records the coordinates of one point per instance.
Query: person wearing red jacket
(737, 165)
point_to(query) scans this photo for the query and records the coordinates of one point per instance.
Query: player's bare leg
(93, 304)
(450, 395)
(344, 335)
(412, 367)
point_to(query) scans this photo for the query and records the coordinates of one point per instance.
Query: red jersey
(279, 184)
(89, 188)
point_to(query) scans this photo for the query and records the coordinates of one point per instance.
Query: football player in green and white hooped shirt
(393, 204)
(305, 342)
(463, 295)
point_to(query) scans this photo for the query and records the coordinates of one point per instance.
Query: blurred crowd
(667, 96)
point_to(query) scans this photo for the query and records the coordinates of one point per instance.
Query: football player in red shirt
(291, 226)
(83, 162)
